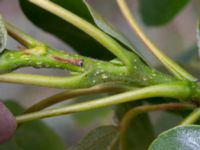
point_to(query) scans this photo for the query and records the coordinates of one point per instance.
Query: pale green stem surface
(192, 118)
(22, 37)
(180, 90)
(46, 81)
(66, 95)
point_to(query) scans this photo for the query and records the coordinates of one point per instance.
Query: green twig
(88, 28)
(192, 118)
(66, 95)
(168, 63)
(46, 81)
(97, 71)
(39, 58)
(22, 37)
(180, 90)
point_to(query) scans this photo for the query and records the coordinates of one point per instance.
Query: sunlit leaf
(178, 138)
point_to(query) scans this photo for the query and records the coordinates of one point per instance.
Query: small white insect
(3, 35)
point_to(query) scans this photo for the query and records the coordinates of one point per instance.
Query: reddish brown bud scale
(77, 62)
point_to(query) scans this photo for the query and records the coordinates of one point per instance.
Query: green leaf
(3, 35)
(87, 117)
(100, 138)
(139, 133)
(105, 25)
(32, 136)
(178, 138)
(80, 41)
(165, 121)
(159, 12)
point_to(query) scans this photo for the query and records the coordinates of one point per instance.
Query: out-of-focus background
(173, 39)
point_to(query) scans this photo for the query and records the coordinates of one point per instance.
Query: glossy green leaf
(139, 133)
(159, 12)
(100, 138)
(32, 136)
(178, 138)
(3, 35)
(80, 41)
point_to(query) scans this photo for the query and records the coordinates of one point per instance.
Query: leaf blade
(98, 139)
(156, 12)
(178, 138)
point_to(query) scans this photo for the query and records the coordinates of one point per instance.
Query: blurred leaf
(3, 35)
(87, 117)
(32, 136)
(159, 12)
(98, 139)
(198, 37)
(187, 55)
(178, 138)
(8, 123)
(165, 121)
(140, 132)
(80, 41)
(106, 26)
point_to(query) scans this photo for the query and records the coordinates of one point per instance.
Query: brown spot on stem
(21, 48)
(77, 62)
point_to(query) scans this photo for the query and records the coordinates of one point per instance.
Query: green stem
(97, 71)
(103, 88)
(88, 28)
(39, 58)
(180, 90)
(168, 63)
(22, 37)
(133, 113)
(192, 118)
(46, 81)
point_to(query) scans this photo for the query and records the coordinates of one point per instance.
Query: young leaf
(32, 136)
(98, 139)
(3, 34)
(159, 12)
(178, 138)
